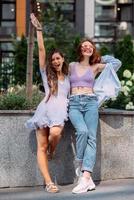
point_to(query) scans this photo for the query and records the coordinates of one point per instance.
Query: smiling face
(57, 61)
(87, 49)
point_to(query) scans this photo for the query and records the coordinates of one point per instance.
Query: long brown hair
(95, 58)
(52, 74)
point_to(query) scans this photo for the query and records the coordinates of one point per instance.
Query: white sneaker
(84, 185)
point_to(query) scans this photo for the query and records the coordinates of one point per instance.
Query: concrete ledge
(18, 166)
(109, 111)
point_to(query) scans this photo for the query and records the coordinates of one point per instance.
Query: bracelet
(39, 29)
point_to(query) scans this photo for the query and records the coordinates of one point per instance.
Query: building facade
(104, 21)
(12, 25)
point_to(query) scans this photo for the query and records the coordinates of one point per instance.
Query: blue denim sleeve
(116, 63)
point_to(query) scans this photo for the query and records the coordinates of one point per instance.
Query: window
(105, 13)
(6, 64)
(6, 46)
(124, 28)
(125, 1)
(7, 12)
(105, 20)
(114, 21)
(104, 29)
(68, 11)
(125, 12)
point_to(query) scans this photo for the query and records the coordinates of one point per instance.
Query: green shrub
(13, 102)
(15, 99)
(105, 50)
(125, 99)
(124, 51)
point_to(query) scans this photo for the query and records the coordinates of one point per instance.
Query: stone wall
(18, 166)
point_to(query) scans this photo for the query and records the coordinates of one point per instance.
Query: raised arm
(116, 63)
(41, 47)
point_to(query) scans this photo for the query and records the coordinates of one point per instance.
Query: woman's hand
(35, 22)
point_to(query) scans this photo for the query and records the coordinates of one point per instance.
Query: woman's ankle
(48, 182)
(86, 174)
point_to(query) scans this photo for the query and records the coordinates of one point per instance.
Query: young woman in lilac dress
(83, 105)
(51, 113)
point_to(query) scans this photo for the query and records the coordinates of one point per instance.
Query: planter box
(18, 166)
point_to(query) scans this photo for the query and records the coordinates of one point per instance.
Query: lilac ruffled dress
(54, 111)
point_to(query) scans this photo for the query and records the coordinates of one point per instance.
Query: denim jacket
(107, 85)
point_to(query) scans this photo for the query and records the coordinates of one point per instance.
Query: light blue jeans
(83, 113)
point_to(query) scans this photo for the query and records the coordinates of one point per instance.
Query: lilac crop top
(85, 80)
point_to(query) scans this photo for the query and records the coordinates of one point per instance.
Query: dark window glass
(7, 18)
(105, 13)
(8, 11)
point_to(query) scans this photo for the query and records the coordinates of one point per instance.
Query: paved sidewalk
(122, 189)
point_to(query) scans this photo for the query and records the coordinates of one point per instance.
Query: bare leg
(42, 145)
(54, 137)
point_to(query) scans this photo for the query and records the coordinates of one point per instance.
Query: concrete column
(79, 17)
(89, 18)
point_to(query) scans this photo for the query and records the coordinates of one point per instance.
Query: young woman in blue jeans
(83, 108)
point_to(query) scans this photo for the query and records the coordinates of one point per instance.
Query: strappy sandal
(52, 188)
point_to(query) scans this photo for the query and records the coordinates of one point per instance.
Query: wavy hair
(51, 73)
(95, 57)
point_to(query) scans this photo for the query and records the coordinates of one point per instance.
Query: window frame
(1, 8)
